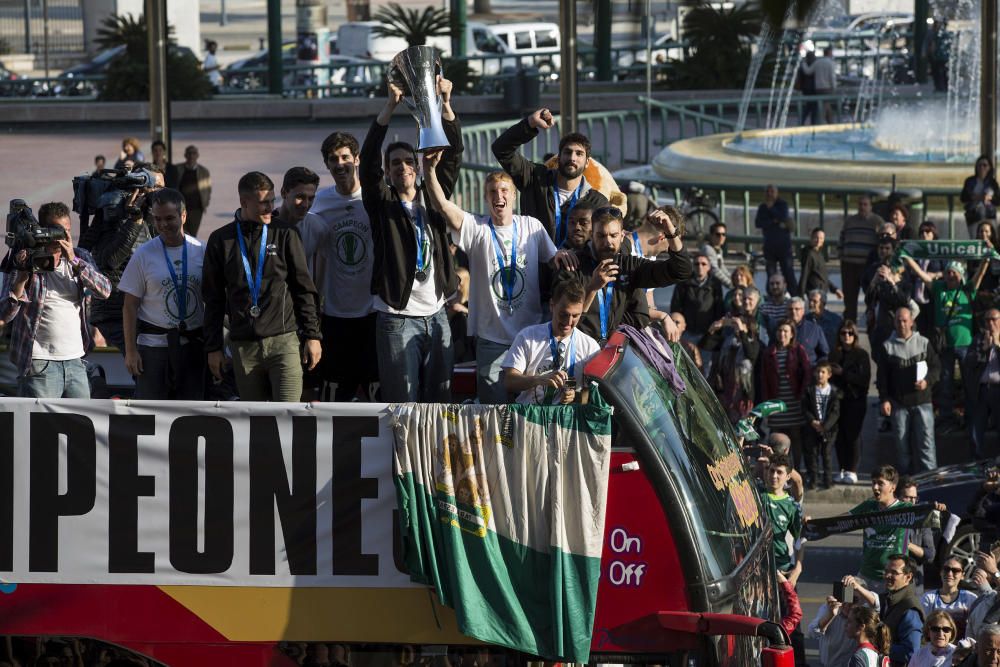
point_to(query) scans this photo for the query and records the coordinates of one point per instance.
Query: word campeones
(203, 545)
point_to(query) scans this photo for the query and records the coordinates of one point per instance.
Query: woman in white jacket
(939, 634)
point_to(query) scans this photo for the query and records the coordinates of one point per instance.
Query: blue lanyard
(636, 245)
(554, 348)
(604, 303)
(560, 227)
(507, 275)
(180, 287)
(418, 225)
(253, 282)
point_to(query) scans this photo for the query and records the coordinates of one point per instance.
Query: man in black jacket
(256, 273)
(548, 194)
(699, 299)
(616, 281)
(413, 274)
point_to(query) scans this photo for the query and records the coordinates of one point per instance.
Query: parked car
(960, 487)
(84, 79)
(12, 85)
(358, 39)
(537, 43)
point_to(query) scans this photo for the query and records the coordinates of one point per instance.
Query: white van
(539, 41)
(358, 39)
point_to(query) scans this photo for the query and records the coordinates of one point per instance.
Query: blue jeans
(414, 358)
(489, 371)
(913, 429)
(946, 395)
(55, 379)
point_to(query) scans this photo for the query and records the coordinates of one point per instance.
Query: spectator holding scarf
(952, 299)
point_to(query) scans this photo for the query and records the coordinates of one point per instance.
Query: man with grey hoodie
(907, 370)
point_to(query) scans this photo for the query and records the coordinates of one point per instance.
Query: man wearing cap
(952, 299)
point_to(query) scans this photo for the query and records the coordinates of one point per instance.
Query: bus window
(691, 434)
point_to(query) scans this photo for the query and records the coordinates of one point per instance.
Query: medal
(253, 280)
(180, 285)
(508, 276)
(182, 326)
(420, 275)
(423, 243)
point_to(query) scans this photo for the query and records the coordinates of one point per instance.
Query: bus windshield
(691, 433)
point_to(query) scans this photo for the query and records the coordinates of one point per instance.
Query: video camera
(28, 240)
(108, 191)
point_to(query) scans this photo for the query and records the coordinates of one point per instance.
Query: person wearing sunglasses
(616, 281)
(713, 249)
(981, 370)
(950, 599)
(939, 636)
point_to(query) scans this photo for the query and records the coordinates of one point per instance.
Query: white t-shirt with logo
(531, 354)
(426, 297)
(147, 278)
(489, 316)
(337, 238)
(57, 336)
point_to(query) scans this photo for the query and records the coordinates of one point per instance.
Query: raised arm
(925, 277)
(505, 147)
(435, 195)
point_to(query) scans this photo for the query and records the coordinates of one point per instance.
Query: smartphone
(843, 593)
(753, 452)
(570, 384)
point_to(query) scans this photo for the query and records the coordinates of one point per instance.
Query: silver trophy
(415, 72)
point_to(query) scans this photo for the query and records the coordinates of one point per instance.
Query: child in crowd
(821, 408)
(786, 518)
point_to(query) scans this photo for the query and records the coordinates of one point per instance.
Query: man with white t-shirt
(412, 270)
(545, 362)
(337, 238)
(504, 253)
(163, 310)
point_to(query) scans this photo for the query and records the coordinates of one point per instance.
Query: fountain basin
(721, 160)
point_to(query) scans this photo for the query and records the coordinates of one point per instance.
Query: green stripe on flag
(542, 607)
(945, 250)
(502, 513)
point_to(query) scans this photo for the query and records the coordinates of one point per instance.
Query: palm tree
(720, 40)
(126, 30)
(412, 25)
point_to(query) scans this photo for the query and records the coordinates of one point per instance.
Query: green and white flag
(945, 250)
(502, 513)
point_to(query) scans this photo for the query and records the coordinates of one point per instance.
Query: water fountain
(929, 142)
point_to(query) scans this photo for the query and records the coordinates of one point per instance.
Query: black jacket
(810, 412)
(112, 244)
(393, 238)
(628, 296)
(815, 273)
(534, 180)
(856, 375)
(287, 294)
(699, 304)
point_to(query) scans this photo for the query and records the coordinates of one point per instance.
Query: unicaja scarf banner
(946, 250)
(910, 516)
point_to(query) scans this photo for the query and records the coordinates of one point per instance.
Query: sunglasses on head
(613, 211)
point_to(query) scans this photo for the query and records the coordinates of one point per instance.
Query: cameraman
(112, 243)
(616, 281)
(48, 315)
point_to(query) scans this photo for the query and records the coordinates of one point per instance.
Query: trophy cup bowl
(415, 72)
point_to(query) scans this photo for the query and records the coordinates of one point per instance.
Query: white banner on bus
(178, 493)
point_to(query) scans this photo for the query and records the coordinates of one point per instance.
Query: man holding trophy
(412, 274)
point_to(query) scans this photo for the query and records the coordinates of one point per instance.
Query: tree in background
(127, 78)
(413, 25)
(720, 41)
